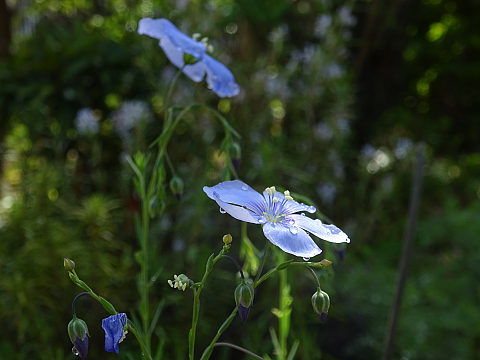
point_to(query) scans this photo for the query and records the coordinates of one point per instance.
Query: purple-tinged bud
(321, 304)
(176, 186)
(235, 154)
(78, 332)
(244, 295)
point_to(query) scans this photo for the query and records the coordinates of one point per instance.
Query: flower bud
(176, 186)
(235, 154)
(321, 304)
(68, 264)
(227, 239)
(78, 331)
(244, 298)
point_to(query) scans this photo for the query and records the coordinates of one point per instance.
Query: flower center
(275, 206)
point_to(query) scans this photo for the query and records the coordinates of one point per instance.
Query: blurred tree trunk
(5, 40)
(5, 30)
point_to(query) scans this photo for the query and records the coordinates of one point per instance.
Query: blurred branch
(407, 244)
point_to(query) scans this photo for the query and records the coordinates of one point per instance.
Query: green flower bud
(227, 239)
(176, 185)
(244, 295)
(321, 304)
(68, 264)
(78, 331)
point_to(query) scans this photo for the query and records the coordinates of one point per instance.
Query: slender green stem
(284, 319)
(238, 348)
(169, 162)
(169, 94)
(196, 300)
(259, 271)
(314, 275)
(144, 296)
(133, 330)
(208, 351)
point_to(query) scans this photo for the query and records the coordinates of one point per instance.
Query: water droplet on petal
(303, 214)
(262, 220)
(245, 187)
(293, 230)
(311, 209)
(306, 258)
(74, 351)
(222, 211)
(291, 222)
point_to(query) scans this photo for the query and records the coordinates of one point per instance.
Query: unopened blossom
(176, 45)
(277, 213)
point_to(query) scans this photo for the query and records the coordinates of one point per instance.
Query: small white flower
(86, 122)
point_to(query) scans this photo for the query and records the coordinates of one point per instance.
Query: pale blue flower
(276, 212)
(175, 44)
(114, 333)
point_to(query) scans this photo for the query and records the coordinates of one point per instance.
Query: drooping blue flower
(176, 44)
(78, 332)
(276, 212)
(114, 333)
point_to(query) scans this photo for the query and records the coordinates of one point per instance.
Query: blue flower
(277, 214)
(176, 44)
(114, 334)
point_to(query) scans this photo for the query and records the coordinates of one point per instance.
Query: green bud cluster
(77, 328)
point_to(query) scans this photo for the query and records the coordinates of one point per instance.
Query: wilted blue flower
(176, 44)
(114, 333)
(276, 212)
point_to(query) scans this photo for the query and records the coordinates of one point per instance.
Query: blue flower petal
(81, 346)
(316, 227)
(165, 31)
(238, 193)
(113, 327)
(291, 239)
(237, 212)
(175, 43)
(219, 78)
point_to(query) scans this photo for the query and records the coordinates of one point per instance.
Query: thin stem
(169, 162)
(314, 275)
(238, 348)
(208, 351)
(196, 301)
(75, 300)
(170, 91)
(407, 243)
(133, 330)
(145, 303)
(284, 319)
(236, 264)
(259, 271)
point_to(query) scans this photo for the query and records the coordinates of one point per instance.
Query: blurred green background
(335, 96)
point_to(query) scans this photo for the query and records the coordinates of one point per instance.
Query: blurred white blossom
(322, 23)
(346, 17)
(87, 122)
(130, 114)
